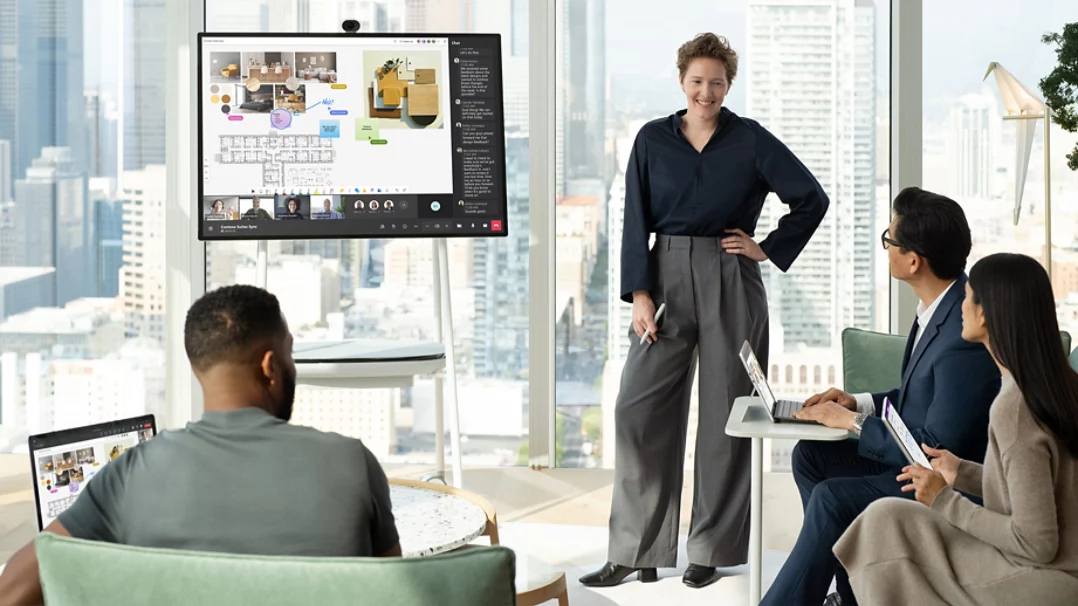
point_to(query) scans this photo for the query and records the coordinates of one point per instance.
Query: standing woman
(698, 180)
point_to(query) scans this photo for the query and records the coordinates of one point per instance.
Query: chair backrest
(871, 361)
(74, 571)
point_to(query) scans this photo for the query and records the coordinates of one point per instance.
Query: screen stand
(262, 265)
(443, 330)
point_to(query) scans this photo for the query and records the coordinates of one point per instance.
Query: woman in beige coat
(1021, 547)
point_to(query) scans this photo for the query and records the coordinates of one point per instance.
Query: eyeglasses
(888, 242)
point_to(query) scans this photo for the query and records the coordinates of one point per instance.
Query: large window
(341, 289)
(816, 74)
(969, 150)
(82, 217)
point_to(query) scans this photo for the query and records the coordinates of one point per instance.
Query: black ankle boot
(611, 574)
(697, 576)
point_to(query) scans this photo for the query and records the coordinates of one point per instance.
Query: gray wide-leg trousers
(715, 301)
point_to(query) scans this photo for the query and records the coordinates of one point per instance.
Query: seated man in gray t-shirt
(241, 479)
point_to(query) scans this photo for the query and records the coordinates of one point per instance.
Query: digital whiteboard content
(307, 136)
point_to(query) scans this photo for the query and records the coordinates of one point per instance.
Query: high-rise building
(101, 135)
(50, 226)
(18, 38)
(143, 83)
(500, 274)
(5, 171)
(142, 283)
(307, 286)
(59, 90)
(973, 133)
(583, 84)
(41, 78)
(24, 288)
(810, 79)
(109, 234)
(364, 414)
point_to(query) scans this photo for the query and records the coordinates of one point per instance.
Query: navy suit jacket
(948, 386)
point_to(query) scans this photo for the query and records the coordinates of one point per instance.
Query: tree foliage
(1060, 87)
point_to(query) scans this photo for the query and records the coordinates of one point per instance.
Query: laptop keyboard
(58, 507)
(785, 409)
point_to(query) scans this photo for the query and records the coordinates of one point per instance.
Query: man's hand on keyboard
(829, 413)
(836, 395)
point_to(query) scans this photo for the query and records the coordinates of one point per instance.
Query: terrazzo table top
(430, 522)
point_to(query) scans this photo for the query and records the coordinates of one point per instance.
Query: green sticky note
(366, 129)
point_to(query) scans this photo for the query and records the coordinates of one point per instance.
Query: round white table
(431, 522)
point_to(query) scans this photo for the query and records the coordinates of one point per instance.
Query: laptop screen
(62, 462)
(759, 379)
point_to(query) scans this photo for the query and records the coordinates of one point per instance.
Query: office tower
(500, 274)
(5, 171)
(143, 83)
(307, 287)
(50, 224)
(24, 288)
(810, 76)
(59, 86)
(101, 139)
(364, 414)
(973, 132)
(584, 60)
(19, 40)
(109, 233)
(505, 18)
(142, 283)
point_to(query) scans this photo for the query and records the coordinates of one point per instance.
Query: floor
(578, 550)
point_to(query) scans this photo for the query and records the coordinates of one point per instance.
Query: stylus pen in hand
(658, 315)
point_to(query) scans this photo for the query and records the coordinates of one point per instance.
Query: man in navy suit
(948, 385)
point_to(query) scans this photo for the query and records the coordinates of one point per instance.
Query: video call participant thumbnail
(221, 208)
(327, 211)
(256, 212)
(293, 207)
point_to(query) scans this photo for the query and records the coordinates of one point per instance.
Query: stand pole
(446, 313)
(262, 265)
(439, 381)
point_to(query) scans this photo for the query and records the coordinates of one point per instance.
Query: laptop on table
(62, 462)
(781, 411)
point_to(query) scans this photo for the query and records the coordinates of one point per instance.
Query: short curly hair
(227, 324)
(711, 46)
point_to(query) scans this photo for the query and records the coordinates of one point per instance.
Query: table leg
(756, 538)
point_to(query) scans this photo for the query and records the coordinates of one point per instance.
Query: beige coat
(1020, 548)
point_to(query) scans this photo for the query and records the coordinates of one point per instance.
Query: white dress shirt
(865, 403)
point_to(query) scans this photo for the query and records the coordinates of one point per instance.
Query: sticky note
(366, 129)
(329, 129)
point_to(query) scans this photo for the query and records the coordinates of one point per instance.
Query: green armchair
(872, 361)
(76, 572)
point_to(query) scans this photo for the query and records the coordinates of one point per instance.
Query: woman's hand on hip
(644, 315)
(738, 242)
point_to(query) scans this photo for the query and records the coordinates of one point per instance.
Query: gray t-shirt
(241, 482)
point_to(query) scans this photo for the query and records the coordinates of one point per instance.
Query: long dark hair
(1019, 311)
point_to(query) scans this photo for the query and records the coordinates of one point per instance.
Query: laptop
(781, 411)
(62, 462)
